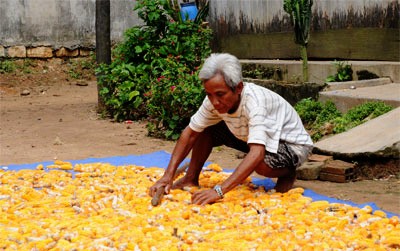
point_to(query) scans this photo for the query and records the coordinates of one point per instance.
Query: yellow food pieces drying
(99, 206)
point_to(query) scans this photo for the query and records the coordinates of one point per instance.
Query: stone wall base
(41, 52)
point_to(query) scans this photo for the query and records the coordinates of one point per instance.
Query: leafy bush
(161, 55)
(124, 87)
(173, 99)
(322, 119)
(344, 72)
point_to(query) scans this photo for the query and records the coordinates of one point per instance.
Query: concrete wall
(351, 29)
(319, 70)
(59, 24)
(253, 29)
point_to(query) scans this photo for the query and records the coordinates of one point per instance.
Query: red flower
(173, 88)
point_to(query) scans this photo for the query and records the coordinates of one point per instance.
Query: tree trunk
(103, 43)
(303, 54)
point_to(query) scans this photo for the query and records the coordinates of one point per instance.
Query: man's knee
(266, 171)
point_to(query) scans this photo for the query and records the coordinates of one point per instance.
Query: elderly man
(246, 117)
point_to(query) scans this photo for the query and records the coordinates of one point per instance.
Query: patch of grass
(7, 66)
(81, 68)
(24, 66)
(323, 119)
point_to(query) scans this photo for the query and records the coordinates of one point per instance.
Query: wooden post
(103, 42)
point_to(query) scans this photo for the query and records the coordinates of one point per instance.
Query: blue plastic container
(188, 10)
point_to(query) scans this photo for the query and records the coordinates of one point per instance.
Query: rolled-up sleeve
(204, 117)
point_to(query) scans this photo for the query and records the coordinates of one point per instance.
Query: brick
(39, 52)
(16, 52)
(2, 52)
(64, 52)
(336, 177)
(309, 170)
(320, 158)
(338, 167)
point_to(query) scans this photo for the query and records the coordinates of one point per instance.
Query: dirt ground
(48, 112)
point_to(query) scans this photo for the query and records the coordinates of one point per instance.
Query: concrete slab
(345, 99)
(332, 86)
(379, 137)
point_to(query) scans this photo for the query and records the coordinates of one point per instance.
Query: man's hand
(163, 183)
(205, 197)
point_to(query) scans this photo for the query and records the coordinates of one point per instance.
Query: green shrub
(322, 119)
(124, 89)
(344, 72)
(308, 110)
(173, 99)
(161, 55)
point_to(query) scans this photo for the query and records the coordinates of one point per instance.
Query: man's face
(222, 97)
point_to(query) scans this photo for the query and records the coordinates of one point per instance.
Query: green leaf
(133, 94)
(138, 49)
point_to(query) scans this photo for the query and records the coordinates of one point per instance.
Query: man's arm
(181, 150)
(245, 168)
(254, 158)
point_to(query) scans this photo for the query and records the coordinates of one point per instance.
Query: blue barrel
(188, 10)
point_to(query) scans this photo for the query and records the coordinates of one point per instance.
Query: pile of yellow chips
(106, 207)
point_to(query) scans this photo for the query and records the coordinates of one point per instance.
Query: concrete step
(349, 95)
(379, 137)
(333, 86)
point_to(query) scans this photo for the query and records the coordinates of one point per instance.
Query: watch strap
(218, 189)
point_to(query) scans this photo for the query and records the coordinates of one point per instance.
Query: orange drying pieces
(106, 207)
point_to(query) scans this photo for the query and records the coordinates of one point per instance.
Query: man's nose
(215, 101)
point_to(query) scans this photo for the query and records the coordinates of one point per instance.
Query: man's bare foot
(285, 183)
(184, 182)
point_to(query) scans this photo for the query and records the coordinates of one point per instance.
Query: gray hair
(225, 64)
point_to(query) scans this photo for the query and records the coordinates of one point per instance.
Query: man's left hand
(205, 197)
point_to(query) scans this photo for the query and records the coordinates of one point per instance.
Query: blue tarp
(161, 159)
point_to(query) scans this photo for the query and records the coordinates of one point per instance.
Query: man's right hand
(163, 183)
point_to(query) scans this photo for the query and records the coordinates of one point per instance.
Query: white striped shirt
(263, 117)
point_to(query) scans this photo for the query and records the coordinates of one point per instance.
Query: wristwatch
(218, 189)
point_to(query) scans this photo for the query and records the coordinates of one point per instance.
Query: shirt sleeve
(205, 116)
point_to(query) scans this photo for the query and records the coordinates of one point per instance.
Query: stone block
(2, 52)
(64, 52)
(16, 52)
(309, 170)
(320, 158)
(39, 52)
(84, 53)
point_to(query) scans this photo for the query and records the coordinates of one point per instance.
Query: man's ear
(239, 88)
